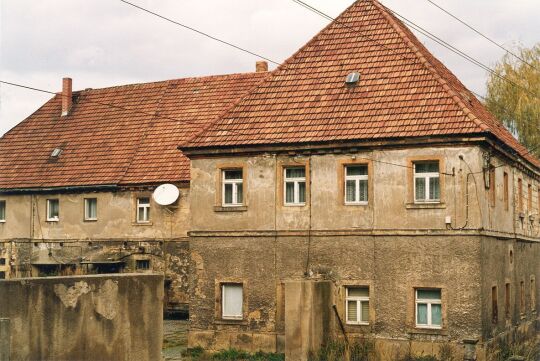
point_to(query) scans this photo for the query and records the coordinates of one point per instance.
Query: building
(77, 176)
(362, 174)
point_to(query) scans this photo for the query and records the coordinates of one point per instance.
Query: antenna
(166, 194)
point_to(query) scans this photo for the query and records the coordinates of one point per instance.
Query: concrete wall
(114, 317)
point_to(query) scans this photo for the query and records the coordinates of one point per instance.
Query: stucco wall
(26, 217)
(113, 317)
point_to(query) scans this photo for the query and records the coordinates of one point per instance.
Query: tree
(516, 103)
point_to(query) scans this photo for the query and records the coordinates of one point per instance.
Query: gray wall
(112, 317)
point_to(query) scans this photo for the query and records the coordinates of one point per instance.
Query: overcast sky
(102, 43)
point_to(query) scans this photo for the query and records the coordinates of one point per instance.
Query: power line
(425, 33)
(482, 35)
(200, 32)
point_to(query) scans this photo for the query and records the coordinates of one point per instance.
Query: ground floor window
(428, 308)
(357, 305)
(232, 301)
(142, 264)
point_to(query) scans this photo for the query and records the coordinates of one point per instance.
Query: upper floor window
(2, 211)
(143, 210)
(428, 308)
(357, 305)
(232, 183)
(492, 186)
(53, 210)
(506, 191)
(90, 209)
(529, 197)
(295, 185)
(356, 184)
(520, 195)
(232, 301)
(426, 182)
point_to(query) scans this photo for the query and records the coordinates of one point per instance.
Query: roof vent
(352, 78)
(56, 152)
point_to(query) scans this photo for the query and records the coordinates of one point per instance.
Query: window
(506, 196)
(295, 185)
(494, 305)
(426, 182)
(492, 186)
(2, 275)
(533, 293)
(2, 211)
(529, 197)
(232, 301)
(520, 195)
(90, 209)
(53, 210)
(356, 184)
(143, 210)
(428, 308)
(522, 297)
(507, 300)
(2, 261)
(357, 305)
(143, 264)
(232, 182)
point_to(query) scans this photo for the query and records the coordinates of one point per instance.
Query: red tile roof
(403, 91)
(103, 145)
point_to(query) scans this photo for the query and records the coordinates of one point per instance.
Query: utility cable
(482, 35)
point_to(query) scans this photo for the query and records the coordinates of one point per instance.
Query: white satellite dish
(166, 194)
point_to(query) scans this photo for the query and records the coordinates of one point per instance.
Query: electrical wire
(482, 35)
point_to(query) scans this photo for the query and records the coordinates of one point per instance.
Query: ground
(174, 339)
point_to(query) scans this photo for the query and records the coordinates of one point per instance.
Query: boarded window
(522, 297)
(506, 195)
(507, 300)
(494, 305)
(232, 301)
(492, 187)
(520, 195)
(529, 197)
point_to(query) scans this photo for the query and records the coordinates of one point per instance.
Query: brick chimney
(67, 96)
(261, 66)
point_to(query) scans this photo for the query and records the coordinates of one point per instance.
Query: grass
(199, 354)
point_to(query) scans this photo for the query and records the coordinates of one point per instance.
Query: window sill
(425, 205)
(53, 220)
(294, 205)
(428, 331)
(231, 321)
(90, 220)
(3, 221)
(142, 224)
(356, 204)
(230, 209)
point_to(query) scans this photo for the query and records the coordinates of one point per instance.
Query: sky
(102, 43)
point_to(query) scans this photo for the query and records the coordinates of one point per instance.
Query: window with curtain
(53, 210)
(357, 305)
(232, 301)
(295, 185)
(232, 184)
(426, 182)
(356, 184)
(428, 308)
(2, 211)
(90, 209)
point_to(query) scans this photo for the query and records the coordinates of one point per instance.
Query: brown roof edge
(60, 189)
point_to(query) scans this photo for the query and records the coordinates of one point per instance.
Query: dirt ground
(174, 339)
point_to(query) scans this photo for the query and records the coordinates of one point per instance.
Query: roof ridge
(398, 26)
(203, 77)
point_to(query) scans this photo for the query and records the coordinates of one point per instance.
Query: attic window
(56, 152)
(352, 78)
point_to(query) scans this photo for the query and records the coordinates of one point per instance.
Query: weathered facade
(362, 184)
(77, 179)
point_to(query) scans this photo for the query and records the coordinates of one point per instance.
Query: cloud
(103, 43)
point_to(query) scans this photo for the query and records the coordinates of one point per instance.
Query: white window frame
(86, 203)
(359, 300)
(231, 317)
(235, 183)
(296, 192)
(146, 212)
(428, 302)
(55, 218)
(356, 179)
(427, 177)
(3, 204)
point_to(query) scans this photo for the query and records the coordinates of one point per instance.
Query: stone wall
(113, 317)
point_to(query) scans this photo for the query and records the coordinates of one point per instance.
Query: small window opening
(56, 152)
(142, 264)
(352, 78)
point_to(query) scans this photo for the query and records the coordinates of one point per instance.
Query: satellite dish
(166, 194)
